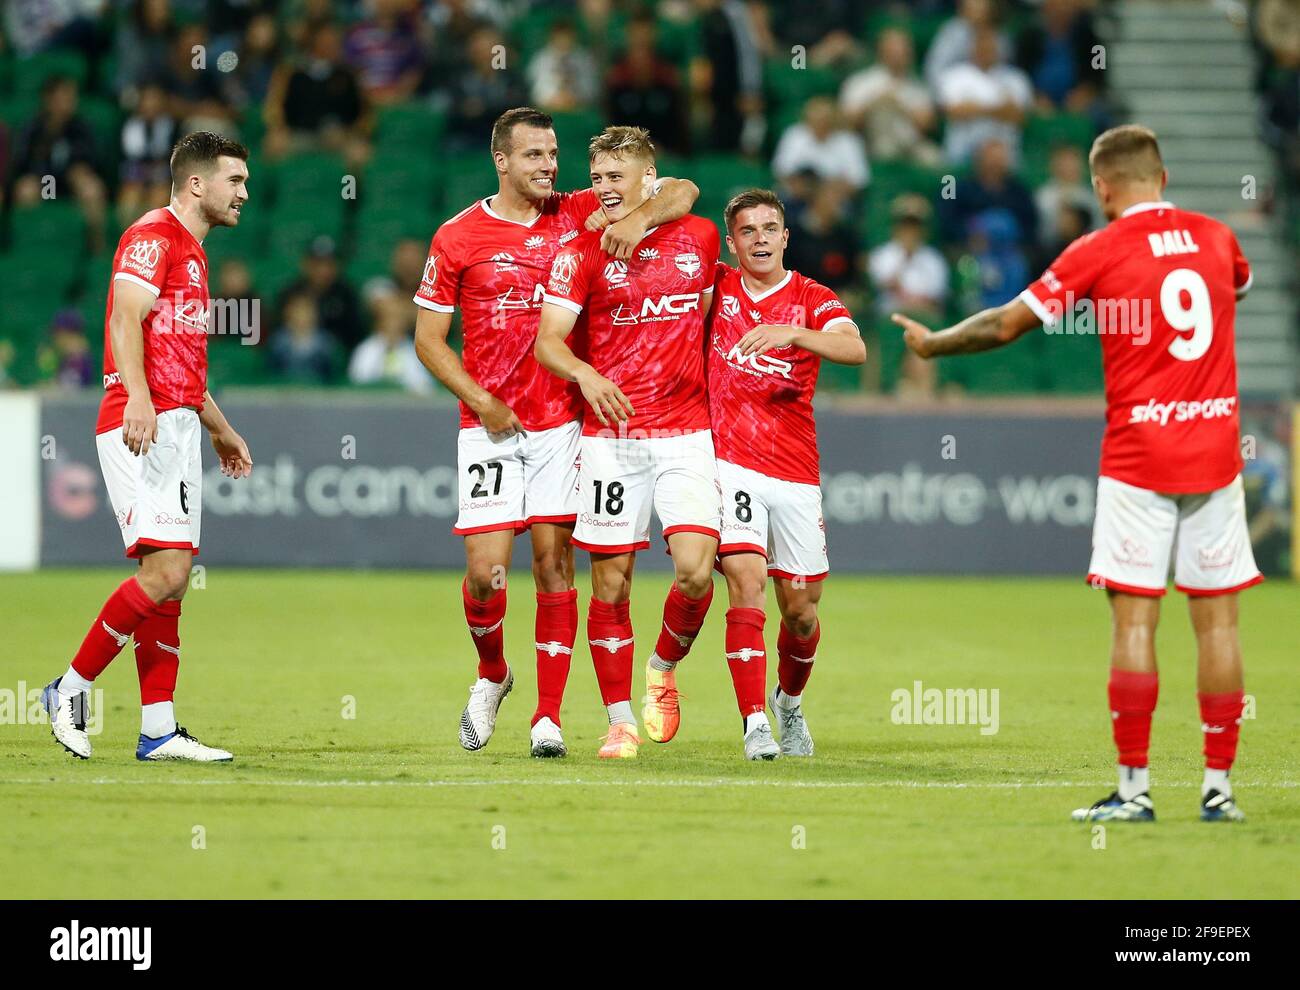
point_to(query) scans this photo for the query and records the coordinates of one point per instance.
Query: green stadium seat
(30, 73)
(412, 126)
(1073, 363)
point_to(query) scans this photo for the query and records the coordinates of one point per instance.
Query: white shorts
(782, 520)
(517, 481)
(158, 498)
(1138, 533)
(619, 479)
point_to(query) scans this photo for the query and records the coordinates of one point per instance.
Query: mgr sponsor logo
(921, 705)
(102, 944)
(23, 707)
(915, 497)
(759, 364)
(655, 310)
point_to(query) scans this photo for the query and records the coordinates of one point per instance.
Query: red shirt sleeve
(576, 206)
(711, 244)
(1067, 281)
(440, 286)
(1242, 276)
(571, 273)
(823, 307)
(144, 260)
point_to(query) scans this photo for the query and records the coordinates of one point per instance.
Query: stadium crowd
(862, 114)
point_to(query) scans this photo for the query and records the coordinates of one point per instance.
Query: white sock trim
(621, 711)
(72, 683)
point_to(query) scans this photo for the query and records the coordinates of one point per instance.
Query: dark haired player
(156, 404)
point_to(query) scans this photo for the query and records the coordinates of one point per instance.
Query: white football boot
(479, 719)
(546, 740)
(179, 745)
(68, 719)
(795, 738)
(759, 744)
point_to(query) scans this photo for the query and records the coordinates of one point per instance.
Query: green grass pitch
(386, 804)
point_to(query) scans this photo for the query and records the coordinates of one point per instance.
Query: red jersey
(158, 253)
(493, 269)
(761, 405)
(1164, 285)
(643, 325)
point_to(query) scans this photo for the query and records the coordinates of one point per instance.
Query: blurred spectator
(301, 351)
(733, 46)
(303, 18)
(954, 44)
(385, 53)
(890, 104)
(259, 54)
(407, 265)
(335, 300)
(317, 102)
(562, 75)
(823, 244)
(1071, 222)
(59, 145)
(595, 24)
(5, 143)
(195, 86)
(66, 360)
(828, 29)
(241, 302)
(1065, 187)
(982, 99)
(388, 354)
(992, 186)
(35, 25)
(1003, 267)
(447, 29)
(911, 277)
(485, 90)
(645, 90)
(821, 144)
(144, 43)
(909, 274)
(145, 170)
(1278, 28)
(1058, 53)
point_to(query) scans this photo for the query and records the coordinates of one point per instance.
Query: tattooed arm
(984, 331)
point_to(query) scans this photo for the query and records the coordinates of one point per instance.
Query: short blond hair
(622, 142)
(1129, 153)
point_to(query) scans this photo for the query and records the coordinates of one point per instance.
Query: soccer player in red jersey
(1163, 284)
(148, 436)
(518, 443)
(769, 332)
(646, 437)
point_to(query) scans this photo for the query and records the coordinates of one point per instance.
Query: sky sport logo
(1087, 316)
(77, 944)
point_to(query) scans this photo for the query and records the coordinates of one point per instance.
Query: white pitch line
(575, 782)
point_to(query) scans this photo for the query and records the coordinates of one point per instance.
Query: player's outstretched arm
(669, 199)
(232, 451)
(840, 343)
(131, 304)
(553, 354)
(431, 330)
(984, 331)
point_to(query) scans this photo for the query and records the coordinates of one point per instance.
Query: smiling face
(529, 167)
(621, 182)
(758, 238)
(223, 194)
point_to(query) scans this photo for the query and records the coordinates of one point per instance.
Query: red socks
(683, 619)
(158, 653)
(609, 633)
(485, 620)
(1132, 701)
(122, 614)
(556, 628)
(1221, 723)
(747, 658)
(796, 658)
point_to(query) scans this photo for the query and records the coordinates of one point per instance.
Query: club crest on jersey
(616, 274)
(688, 264)
(534, 242)
(196, 274)
(505, 261)
(430, 270)
(759, 364)
(143, 256)
(648, 254)
(730, 306)
(564, 268)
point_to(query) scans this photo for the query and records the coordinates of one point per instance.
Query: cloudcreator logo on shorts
(23, 707)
